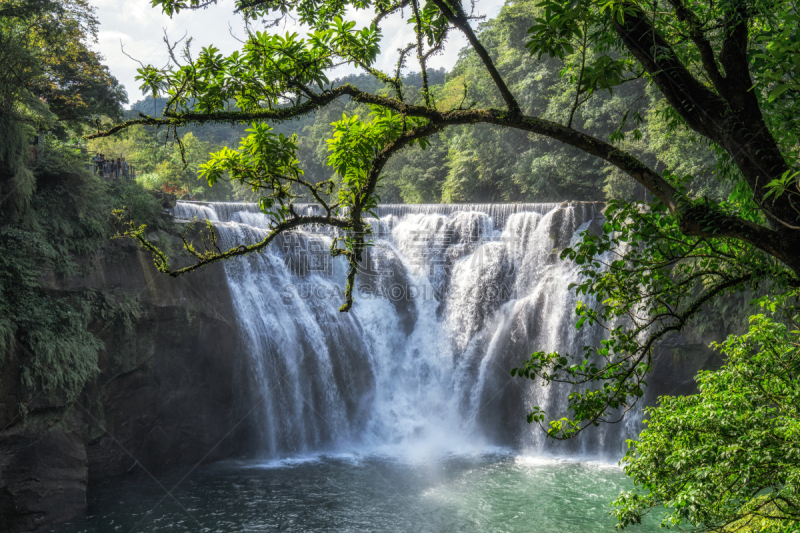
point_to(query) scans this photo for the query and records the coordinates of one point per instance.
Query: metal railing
(112, 172)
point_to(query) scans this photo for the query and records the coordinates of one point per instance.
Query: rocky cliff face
(678, 359)
(172, 392)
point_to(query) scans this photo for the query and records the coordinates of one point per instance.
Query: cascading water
(450, 298)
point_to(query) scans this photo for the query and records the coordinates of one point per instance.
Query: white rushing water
(450, 298)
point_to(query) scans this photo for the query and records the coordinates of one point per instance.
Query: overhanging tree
(45, 53)
(727, 71)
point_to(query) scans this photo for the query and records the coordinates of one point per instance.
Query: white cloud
(141, 27)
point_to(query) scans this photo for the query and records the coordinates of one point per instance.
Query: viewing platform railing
(114, 172)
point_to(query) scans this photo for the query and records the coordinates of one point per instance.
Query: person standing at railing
(124, 169)
(95, 162)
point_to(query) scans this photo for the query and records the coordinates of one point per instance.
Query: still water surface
(487, 492)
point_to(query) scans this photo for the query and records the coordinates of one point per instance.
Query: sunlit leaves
(730, 454)
(358, 46)
(356, 143)
(153, 81)
(786, 183)
(265, 162)
(271, 70)
(434, 23)
(556, 30)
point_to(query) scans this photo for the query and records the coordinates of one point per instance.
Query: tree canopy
(725, 458)
(723, 72)
(53, 211)
(50, 80)
(46, 54)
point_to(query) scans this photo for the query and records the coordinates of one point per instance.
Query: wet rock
(168, 396)
(168, 200)
(43, 474)
(677, 360)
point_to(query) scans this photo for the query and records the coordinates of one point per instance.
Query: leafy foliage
(646, 280)
(49, 81)
(165, 166)
(263, 160)
(726, 458)
(46, 55)
(66, 225)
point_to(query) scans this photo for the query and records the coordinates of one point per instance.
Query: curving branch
(385, 12)
(209, 255)
(695, 217)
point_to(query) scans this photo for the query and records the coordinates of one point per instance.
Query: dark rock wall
(44, 472)
(171, 393)
(678, 359)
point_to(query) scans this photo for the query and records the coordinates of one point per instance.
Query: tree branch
(696, 34)
(420, 53)
(162, 263)
(458, 18)
(741, 131)
(694, 217)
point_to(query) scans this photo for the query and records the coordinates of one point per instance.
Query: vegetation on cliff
(62, 232)
(54, 213)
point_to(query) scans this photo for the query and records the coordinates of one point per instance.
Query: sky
(140, 28)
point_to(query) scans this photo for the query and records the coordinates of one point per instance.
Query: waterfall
(448, 300)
